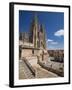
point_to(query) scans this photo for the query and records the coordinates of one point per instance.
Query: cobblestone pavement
(25, 73)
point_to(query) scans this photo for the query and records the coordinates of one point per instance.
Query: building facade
(35, 36)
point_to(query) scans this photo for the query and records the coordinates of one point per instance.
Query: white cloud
(59, 33)
(49, 40)
(54, 42)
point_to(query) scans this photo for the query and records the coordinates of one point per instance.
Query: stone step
(25, 71)
(34, 57)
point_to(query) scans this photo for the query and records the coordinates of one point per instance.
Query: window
(32, 51)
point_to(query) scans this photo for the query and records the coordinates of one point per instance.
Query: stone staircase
(24, 71)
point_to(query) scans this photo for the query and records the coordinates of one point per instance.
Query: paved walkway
(42, 73)
(25, 73)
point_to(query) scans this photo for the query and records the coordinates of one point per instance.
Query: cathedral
(34, 59)
(36, 37)
(33, 42)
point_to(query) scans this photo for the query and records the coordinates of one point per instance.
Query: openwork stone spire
(37, 33)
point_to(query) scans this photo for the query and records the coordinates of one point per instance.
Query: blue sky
(53, 24)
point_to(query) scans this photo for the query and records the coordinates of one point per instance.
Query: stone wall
(30, 54)
(26, 52)
(33, 55)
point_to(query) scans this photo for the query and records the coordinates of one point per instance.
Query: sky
(53, 23)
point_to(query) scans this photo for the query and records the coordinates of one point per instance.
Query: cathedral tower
(37, 34)
(42, 37)
(34, 31)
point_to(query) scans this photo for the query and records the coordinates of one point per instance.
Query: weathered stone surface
(25, 73)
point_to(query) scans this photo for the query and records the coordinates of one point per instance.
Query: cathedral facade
(36, 37)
